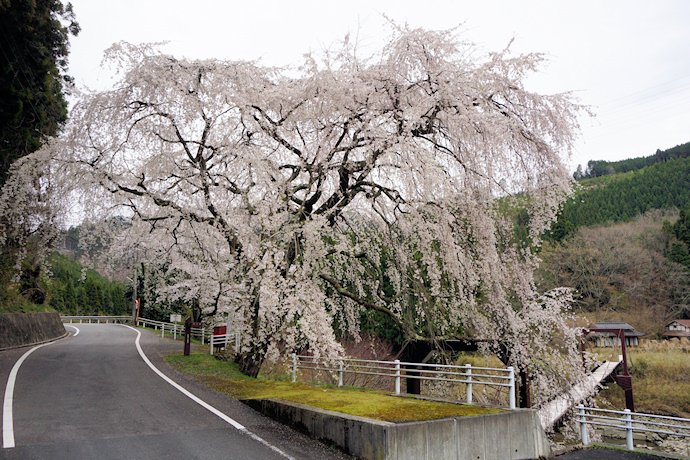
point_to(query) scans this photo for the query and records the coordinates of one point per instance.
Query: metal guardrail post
(294, 367)
(583, 425)
(397, 376)
(340, 373)
(628, 429)
(469, 383)
(511, 388)
(203, 334)
(210, 342)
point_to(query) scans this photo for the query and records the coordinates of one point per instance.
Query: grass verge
(224, 377)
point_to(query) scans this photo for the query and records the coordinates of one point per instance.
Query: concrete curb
(507, 435)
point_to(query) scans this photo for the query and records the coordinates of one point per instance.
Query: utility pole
(134, 297)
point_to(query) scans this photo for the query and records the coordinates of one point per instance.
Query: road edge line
(201, 402)
(76, 333)
(7, 420)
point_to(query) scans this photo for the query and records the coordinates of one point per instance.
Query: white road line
(7, 421)
(76, 333)
(199, 401)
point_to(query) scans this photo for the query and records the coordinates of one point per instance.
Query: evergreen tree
(34, 44)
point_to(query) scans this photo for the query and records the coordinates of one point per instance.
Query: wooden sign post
(188, 325)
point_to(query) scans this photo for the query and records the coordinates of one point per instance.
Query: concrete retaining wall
(18, 329)
(507, 435)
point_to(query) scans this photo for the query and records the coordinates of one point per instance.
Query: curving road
(92, 395)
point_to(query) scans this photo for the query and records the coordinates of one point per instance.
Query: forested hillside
(621, 272)
(75, 290)
(71, 289)
(621, 197)
(622, 242)
(597, 168)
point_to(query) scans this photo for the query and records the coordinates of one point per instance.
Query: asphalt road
(92, 395)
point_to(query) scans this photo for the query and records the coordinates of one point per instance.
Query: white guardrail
(397, 370)
(97, 319)
(202, 333)
(631, 422)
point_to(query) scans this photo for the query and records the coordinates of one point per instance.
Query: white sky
(629, 60)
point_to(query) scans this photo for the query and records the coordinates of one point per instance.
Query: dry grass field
(661, 378)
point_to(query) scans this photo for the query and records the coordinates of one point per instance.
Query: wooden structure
(612, 339)
(677, 328)
(625, 379)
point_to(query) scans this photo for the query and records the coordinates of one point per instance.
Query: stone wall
(19, 329)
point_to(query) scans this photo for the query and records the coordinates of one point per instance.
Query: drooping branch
(370, 305)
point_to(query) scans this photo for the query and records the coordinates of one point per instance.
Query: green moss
(224, 377)
(202, 364)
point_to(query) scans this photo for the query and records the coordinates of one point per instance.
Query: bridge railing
(96, 319)
(631, 422)
(467, 374)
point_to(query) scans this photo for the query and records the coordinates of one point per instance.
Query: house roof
(614, 325)
(628, 330)
(684, 322)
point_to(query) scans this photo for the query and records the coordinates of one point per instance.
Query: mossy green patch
(224, 377)
(202, 364)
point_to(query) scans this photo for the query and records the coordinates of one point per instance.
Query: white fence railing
(631, 422)
(397, 370)
(222, 340)
(96, 319)
(202, 333)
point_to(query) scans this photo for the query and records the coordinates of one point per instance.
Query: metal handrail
(96, 319)
(174, 328)
(419, 371)
(630, 422)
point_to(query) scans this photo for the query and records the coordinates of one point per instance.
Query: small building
(677, 328)
(610, 339)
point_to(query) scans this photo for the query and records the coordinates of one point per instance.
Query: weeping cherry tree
(296, 200)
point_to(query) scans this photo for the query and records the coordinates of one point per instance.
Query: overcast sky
(629, 60)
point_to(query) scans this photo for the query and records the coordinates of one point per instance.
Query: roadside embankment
(509, 435)
(20, 329)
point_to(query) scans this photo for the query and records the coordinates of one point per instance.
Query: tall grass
(661, 379)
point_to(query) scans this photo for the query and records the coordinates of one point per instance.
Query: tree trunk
(196, 310)
(250, 360)
(250, 363)
(525, 396)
